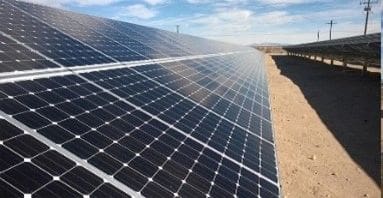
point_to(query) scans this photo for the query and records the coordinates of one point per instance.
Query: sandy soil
(327, 125)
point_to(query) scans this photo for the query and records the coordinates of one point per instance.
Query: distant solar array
(92, 107)
(363, 49)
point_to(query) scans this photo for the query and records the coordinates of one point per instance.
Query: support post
(365, 65)
(332, 62)
(344, 62)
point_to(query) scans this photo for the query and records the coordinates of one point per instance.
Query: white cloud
(155, 2)
(225, 20)
(95, 2)
(274, 18)
(227, 24)
(214, 2)
(288, 34)
(243, 26)
(289, 2)
(198, 1)
(62, 3)
(268, 2)
(282, 1)
(139, 11)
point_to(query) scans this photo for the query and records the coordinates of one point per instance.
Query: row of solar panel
(359, 50)
(114, 120)
(71, 39)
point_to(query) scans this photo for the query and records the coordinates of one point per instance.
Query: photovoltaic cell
(46, 40)
(15, 57)
(147, 37)
(192, 128)
(28, 166)
(70, 24)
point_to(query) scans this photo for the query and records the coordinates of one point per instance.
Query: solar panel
(15, 57)
(137, 112)
(30, 167)
(355, 50)
(70, 24)
(46, 40)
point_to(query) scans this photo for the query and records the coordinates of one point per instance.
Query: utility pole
(368, 10)
(318, 36)
(331, 23)
(178, 29)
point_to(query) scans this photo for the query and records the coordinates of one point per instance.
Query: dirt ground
(327, 126)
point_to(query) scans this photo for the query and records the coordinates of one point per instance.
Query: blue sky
(237, 21)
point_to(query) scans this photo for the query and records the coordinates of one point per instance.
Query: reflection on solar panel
(96, 107)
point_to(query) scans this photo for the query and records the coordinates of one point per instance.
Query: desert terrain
(327, 125)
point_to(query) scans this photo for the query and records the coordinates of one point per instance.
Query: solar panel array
(356, 49)
(94, 107)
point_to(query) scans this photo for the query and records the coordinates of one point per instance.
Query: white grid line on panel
(69, 155)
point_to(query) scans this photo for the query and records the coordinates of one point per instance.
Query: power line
(368, 10)
(331, 23)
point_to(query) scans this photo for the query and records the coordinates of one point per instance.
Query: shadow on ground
(347, 103)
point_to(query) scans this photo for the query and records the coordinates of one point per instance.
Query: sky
(242, 22)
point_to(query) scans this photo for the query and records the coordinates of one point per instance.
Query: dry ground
(326, 123)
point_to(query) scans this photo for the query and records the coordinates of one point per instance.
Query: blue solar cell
(28, 166)
(83, 28)
(46, 40)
